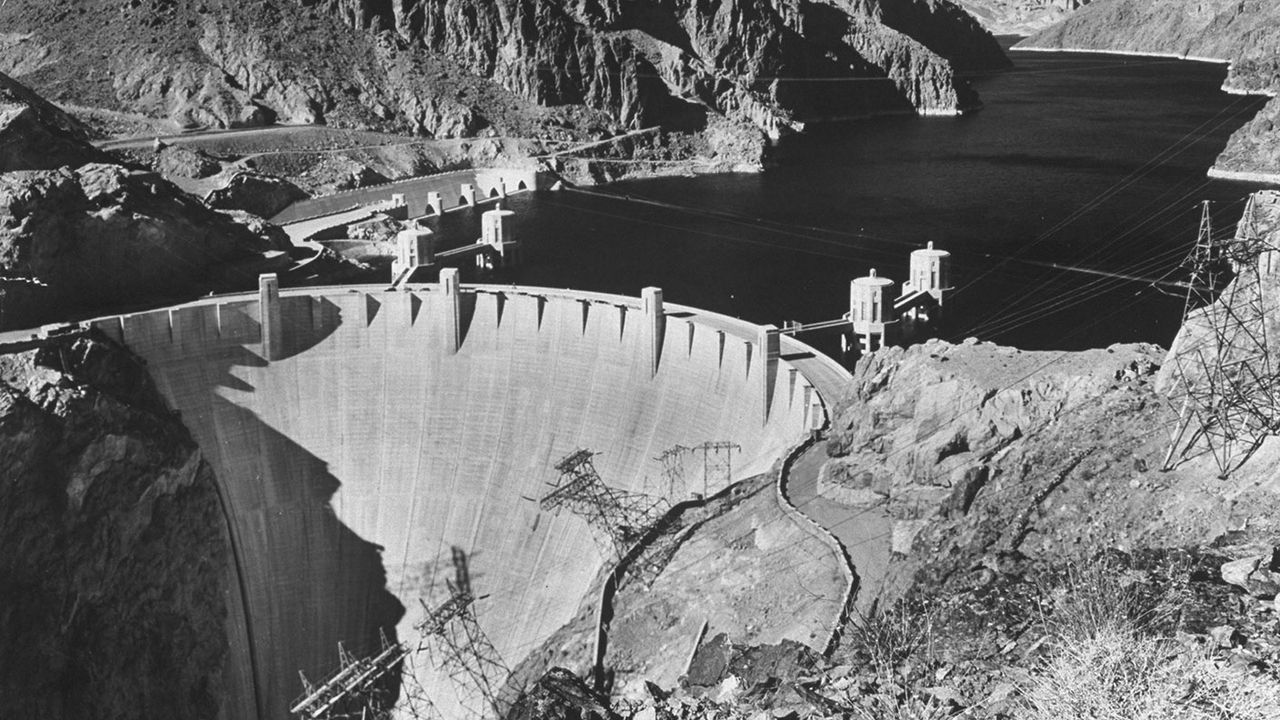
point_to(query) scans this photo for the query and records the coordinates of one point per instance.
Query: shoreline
(1247, 176)
(1236, 90)
(1134, 53)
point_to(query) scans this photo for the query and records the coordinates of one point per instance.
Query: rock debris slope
(457, 67)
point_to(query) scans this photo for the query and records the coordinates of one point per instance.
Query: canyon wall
(113, 592)
(459, 67)
(79, 232)
(1020, 17)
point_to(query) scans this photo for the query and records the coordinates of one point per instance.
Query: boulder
(1258, 575)
(184, 162)
(262, 195)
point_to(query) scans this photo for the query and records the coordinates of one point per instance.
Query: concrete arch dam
(366, 431)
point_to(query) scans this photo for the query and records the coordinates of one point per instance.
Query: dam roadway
(388, 427)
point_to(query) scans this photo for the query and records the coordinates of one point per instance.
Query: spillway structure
(361, 435)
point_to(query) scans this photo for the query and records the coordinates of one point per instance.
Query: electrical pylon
(717, 464)
(672, 460)
(620, 518)
(1224, 378)
(456, 644)
(357, 689)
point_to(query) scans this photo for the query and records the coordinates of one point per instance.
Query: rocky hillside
(80, 234)
(1020, 17)
(459, 67)
(36, 135)
(1224, 29)
(1244, 32)
(113, 549)
(925, 429)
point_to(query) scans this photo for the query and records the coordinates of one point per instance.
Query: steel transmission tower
(717, 466)
(357, 689)
(619, 517)
(457, 644)
(717, 463)
(1224, 378)
(672, 460)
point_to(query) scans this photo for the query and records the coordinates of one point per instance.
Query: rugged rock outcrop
(1020, 17)
(457, 67)
(923, 428)
(35, 135)
(80, 233)
(179, 161)
(1243, 32)
(100, 236)
(662, 62)
(1222, 29)
(1253, 152)
(261, 195)
(113, 549)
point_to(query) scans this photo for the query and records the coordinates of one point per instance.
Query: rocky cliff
(1243, 32)
(926, 431)
(1020, 17)
(1223, 29)
(667, 62)
(78, 234)
(454, 68)
(113, 552)
(102, 236)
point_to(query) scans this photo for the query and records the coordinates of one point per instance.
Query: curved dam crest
(369, 431)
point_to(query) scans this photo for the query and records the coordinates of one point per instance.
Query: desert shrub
(891, 653)
(1114, 674)
(901, 707)
(1106, 596)
(885, 641)
(1111, 657)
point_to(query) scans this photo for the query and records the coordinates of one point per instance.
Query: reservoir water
(1088, 160)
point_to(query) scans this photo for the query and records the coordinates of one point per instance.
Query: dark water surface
(1088, 160)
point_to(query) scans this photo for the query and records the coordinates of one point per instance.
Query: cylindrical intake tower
(871, 310)
(498, 230)
(930, 272)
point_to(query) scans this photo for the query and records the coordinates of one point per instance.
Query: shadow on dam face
(304, 581)
(308, 581)
(354, 462)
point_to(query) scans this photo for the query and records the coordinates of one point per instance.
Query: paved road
(189, 137)
(864, 533)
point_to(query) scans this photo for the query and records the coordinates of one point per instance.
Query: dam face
(389, 426)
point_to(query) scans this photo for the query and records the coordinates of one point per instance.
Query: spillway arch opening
(387, 427)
